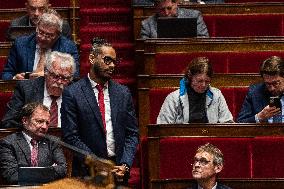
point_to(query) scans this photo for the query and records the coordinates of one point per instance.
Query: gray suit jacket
(25, 91)
(24, 21)
(149, 25)
(15, 152)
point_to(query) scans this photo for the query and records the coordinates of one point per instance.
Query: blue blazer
(82, 124)
(257, 98)
(219, 186)
(22, 55)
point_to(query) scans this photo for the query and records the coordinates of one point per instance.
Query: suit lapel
(24, 146)
(43, 153)
(92, 101)
(30, 52)
(114, 97)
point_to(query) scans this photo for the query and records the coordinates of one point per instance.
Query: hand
(268, 112)
(120, 171)
(19, 76)
(36, 75)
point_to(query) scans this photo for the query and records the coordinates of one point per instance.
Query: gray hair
(51, 18)
(66, 60)
(218, 157)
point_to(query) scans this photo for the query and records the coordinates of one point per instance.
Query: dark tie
(53, 112)
(34, 153)
(102, 103)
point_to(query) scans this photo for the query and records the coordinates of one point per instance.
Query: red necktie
(53, 112)
(34, 153)
(102, 103)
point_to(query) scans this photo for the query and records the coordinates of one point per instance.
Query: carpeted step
(111, 32)
(4, 24)
(105, 15)
(106, 3)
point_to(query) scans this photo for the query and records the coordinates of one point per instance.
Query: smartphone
(275, 101)
(27, 75)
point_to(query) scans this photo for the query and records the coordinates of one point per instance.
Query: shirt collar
(94, 84)
(214, 187)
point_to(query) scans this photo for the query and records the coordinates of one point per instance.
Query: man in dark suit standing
(169, 8)
(256, 106)
(29, 53)
(35, 8)
(207, 164)
(28, 148)
(97, 114)
(59, 71)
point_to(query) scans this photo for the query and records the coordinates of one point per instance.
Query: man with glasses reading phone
(59, 71)
(207, 164)
(98, 116)
(264, 101)
(29, 53)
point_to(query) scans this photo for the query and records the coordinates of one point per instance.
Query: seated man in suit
(28, 148)
(59, 71)
(35, 8)
(207, 164)
(169, 8)
(256, 106)
(29, 53)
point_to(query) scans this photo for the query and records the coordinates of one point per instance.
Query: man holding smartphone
(264, 101)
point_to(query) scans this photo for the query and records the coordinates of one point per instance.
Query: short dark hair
(199, 65)
(29, 109)
(272, 66)
(97, 43)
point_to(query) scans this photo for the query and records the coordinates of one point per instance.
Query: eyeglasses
(39, 9)
(108, 60)
(200, 82)
(48, 36)
(201, 161)
(274, 83)
(56, 77)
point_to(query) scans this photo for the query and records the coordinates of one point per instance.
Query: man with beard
(97, 114)
(58, 73)
(256, 108)
(28, 148)
(29, 53)
(207, 164)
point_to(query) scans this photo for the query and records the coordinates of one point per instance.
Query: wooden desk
(247, 134)
(233, 183)
(142, 12)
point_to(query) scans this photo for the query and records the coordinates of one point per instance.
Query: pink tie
(102, 103)
(53, 112)
(34, 153)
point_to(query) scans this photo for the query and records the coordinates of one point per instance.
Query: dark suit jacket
(24, 21)
(15, 152)
(26, 91)
(22, 55)
(257, 98)
(82, 125)
(219, 186)
(149, 25)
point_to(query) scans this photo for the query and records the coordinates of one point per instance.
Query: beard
(103, 74)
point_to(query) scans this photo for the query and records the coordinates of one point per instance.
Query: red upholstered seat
(157, 97)
(222, 61)
(8, 4)
(176, 156)
(245, 25)
(2, 63)
(268, 157)
(246, 1)
(4, 99)
(4, 24)
(105, 3)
